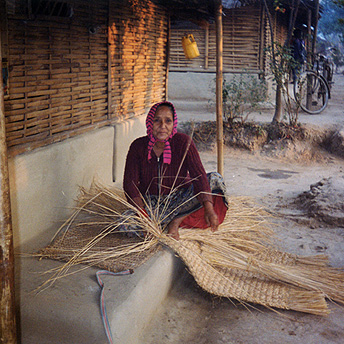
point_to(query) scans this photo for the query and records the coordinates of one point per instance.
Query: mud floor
(303, 185)
(307, 200)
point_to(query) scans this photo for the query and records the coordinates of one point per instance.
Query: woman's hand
(139, 202)
(210, 216)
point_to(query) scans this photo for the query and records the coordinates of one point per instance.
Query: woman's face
(163, 123)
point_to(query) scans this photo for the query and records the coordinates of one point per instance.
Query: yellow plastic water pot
(190, 47)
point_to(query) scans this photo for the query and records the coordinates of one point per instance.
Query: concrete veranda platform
(68, 312)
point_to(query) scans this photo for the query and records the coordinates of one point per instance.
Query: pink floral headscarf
(167, 154)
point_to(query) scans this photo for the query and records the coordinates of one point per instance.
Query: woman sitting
(164, 176)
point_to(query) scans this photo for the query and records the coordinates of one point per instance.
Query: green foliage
(339, 3)
(278, 6)
(283, 63)
(242, 95)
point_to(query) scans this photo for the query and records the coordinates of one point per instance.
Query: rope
(102, 301)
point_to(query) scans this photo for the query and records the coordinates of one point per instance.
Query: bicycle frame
(322, 66)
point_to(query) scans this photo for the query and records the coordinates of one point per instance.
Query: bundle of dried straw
(237, 261)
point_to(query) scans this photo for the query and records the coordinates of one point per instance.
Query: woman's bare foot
(173, 227)
(173, 231)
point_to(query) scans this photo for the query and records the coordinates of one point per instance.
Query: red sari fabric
(197, 220)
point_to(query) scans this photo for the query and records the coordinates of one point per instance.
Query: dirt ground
(303, 184)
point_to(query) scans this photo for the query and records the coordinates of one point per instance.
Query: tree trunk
(278, 105)
(292, 18)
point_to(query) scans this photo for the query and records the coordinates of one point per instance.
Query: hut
(246, 38)
(78, 77)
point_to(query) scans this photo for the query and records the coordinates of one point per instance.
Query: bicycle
(312, 89)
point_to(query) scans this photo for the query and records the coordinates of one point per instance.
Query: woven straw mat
(72, 241)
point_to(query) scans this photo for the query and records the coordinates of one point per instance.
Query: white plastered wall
(44, 183)
(194, 93)
(125, 133)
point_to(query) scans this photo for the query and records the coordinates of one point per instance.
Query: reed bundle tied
(237, 261)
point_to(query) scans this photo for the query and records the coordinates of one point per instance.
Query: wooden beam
(219, 82)
(7, 299)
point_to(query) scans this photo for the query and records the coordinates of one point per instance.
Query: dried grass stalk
(237, 261)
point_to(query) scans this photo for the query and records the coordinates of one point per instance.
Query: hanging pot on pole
(190, 47)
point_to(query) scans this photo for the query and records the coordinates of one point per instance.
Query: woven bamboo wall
(177, 57)
(241, 43)
(267, 41)
(280, 30)
(71, 75)
(138, 45)
(281, 27)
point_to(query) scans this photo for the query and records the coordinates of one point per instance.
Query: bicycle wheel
(311, 92)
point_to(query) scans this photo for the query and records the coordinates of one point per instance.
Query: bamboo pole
(315, 27)
(109, 63)
(309, 59)
(261, 34)
(206, 53)
(219, 82)
(309, 32)
(7, 300)
(168, 48)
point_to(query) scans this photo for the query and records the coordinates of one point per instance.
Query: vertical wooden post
(310, 59)
(7, 300)
(309, 31)
(206, 52)
(315, 33)
(168, 48)
(219, 85)
(109, 62)
(261, 33)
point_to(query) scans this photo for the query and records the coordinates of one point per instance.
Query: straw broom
(237, 261)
